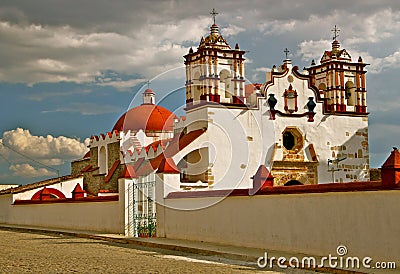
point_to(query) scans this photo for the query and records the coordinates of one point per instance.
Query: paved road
(40, 253)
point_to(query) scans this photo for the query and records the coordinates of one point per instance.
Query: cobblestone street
(40, 253)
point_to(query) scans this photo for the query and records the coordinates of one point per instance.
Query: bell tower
(215, 72)
(340, 80)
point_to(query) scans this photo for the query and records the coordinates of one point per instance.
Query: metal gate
(144, 207)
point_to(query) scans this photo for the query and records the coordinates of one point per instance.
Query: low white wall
(90, 216)
(367, 223)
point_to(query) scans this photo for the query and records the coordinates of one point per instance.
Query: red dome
(147, 117)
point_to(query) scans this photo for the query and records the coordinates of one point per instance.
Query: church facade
(304, 127)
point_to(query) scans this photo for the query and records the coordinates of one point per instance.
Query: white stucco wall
(238, 140)
(105, 216)
(90, 216)
(367, 223)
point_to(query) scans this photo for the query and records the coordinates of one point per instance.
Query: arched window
(293, 183)
(322, 87)
(196, 87)
(350, 93)
(225, 83)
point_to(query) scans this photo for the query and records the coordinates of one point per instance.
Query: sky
(69, 69)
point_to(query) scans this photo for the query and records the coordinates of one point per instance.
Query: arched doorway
(293, 183)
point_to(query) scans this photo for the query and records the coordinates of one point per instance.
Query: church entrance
(293, 183)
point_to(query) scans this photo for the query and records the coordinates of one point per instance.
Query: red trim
(87, 155)
(45, 193)
(180, 142)
(319, 188)
(128, 172)
(86, 168)
(107, 191)
(112, 171)
(69, 200)
(167, 165)
(261, 179)
(78, 192)
(390, 171)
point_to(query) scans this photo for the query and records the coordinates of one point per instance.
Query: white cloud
(122, 85)
(232, 30)
(62, 53)
(309, 50)
(392, 61)
(372, 29)
(276, 26)
(28, 171)
(48, 150)
(258, 74)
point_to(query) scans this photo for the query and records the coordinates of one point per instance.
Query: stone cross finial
(214, 14)
(335, 32)
(286, 51)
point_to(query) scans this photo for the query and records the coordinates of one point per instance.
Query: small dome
(146, 117)
(148, 91)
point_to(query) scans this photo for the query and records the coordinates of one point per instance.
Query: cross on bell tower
(214, 14)
(335, 31)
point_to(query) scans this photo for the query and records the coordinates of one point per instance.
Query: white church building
(303, 127)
